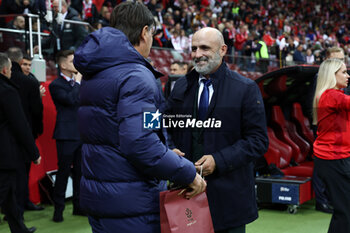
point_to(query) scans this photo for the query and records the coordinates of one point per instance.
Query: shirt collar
(66, 77)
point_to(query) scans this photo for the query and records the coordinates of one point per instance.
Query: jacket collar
(8, 81)
(16, 67)
(219, 74)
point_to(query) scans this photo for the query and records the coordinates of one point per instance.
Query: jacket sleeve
(63, 96)
(36, 106)
(254, 141)
(142, 147)
(19, 124)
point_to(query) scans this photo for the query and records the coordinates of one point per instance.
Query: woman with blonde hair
(332, 145)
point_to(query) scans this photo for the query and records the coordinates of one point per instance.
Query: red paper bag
(179, 215)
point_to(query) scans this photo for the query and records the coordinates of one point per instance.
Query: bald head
(211, 34)
(208, 49)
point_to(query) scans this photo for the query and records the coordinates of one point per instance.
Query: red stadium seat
(303, 145)
(278, 152)
(280, 128)
(302, 123)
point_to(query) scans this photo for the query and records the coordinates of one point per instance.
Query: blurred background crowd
(259, 33)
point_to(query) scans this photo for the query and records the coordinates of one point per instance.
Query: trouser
(240, 229)
(8, 202)
(21, 184)
(68, 153)
(321, 195)
(336, 176)
(143, 223)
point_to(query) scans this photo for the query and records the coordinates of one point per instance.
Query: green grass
(306, 220)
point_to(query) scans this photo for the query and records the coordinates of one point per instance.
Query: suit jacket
(70, 35)
(66, 99)
(15, 132)
(29, 93)
(241, 139)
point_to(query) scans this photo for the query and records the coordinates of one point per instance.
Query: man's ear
(4, 70)
(144, 33)
(223, 50)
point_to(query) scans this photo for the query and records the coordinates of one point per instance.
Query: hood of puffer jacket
(106, 48)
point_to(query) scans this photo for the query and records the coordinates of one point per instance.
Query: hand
(42, 91)
(78, 77)
(196, 187)
(37, 161)
(208, 163)
(179, 152)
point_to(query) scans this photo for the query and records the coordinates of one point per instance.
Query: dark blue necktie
(72, 82)
(204, 100)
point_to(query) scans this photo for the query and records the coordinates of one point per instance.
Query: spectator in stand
(261, 54)
(310, 58)
(29, 92)
(16, 39)
(331, 147)
(318, 57)
(105, 16)
(240, 39)
(66, 35)
(16, 135)
(21, 7)
(229, 35)
(298, 56)
(87, 10)
(249, 60)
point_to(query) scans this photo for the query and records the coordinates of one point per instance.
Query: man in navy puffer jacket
(124, 165)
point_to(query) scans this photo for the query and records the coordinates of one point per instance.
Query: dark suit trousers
(68, 154)
(8, 201)
(22, 189)
(336, 175)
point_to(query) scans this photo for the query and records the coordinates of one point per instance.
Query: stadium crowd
(294, 32)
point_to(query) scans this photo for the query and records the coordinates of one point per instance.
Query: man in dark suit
(15, 135)
(65, 95)
(29, 93)
(226, 132)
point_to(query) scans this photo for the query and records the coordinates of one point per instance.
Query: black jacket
(29, 93)
(15, 132)
(70, 35)
(66, 99)
(235, 145)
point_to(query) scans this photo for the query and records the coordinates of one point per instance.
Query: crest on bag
(190, 220)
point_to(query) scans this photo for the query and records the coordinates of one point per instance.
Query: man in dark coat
(66, 36)
(65, 95)
(124, 163)
(225, 130)
(29, 93)
(15, 135)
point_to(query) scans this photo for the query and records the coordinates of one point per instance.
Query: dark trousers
(22, 190)
(240, 229)
(68, 154)
(321, 195)
(8, 201)
(336, 176)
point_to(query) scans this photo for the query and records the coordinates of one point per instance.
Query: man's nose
(197, 54)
